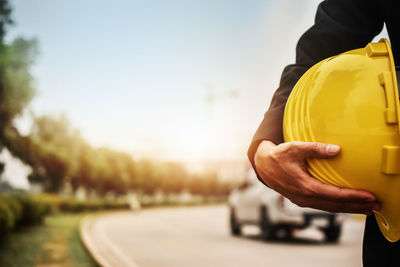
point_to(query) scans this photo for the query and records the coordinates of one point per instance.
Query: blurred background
(127, 104)
(175, 84)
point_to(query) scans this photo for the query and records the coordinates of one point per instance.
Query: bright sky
(134, 75)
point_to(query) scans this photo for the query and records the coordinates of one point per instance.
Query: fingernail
(332, 148)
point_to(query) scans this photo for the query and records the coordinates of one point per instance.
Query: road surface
(199, 236)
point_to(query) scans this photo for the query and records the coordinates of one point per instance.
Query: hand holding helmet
(283, 168)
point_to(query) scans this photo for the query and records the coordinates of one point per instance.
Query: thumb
(318, 150)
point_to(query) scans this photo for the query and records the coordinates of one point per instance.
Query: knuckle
(281, 152)
(275, 154)
(282, 148)
(318, 147)
(291, 148)
(296, 143)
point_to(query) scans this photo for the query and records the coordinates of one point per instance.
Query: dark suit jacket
(340, 25)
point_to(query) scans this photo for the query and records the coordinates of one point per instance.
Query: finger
(310, 186)
(338, 206)
(318, 189)
(316, 149)
(345, 207)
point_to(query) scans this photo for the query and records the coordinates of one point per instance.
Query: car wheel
(332, 233)
(234, 224)
(267, 229)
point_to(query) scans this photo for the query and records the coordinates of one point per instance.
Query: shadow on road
(287, 240)
(297, 237)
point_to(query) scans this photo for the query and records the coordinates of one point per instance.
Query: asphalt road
(200, 236)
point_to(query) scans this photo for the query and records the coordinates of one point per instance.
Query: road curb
(99, 246)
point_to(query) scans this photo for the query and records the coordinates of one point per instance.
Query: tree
(16, 87)
(5, 18)
(146, 176)
(56, 148)
(16, 82)
(175, 177)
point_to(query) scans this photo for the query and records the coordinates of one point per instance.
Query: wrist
(263, 149)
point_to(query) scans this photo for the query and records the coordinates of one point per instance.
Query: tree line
(57, 152)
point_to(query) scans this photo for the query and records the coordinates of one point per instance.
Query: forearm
(271, 125)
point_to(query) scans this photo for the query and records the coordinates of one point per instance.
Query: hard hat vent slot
(385, 79)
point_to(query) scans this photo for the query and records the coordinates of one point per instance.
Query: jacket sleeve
(340, 25)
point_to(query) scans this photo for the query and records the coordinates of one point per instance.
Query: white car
(254, 203)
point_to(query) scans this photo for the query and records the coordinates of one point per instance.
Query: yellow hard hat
(352, 100)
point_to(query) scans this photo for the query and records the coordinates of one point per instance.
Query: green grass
(55, 243)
